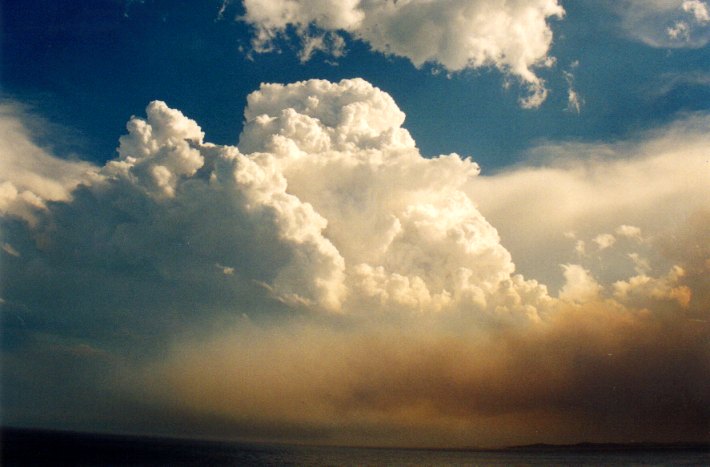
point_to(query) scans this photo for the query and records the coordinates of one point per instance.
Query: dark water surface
(38, 447)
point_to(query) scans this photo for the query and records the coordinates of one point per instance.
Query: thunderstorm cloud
(324, 281)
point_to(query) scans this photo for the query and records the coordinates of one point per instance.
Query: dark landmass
(24, 446)
(611, 447)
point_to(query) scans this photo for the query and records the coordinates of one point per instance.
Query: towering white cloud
(328, 205)
(156, 153)
(165, 158)
(325, 276)
(512, 36)
(408, 234)
(327, 192)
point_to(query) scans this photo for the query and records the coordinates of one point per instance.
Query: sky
(448, 223)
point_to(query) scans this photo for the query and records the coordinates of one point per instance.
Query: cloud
(513, 37)
(342, 150)
(29, 175)
(10, 250)
(629, 231)
(322, 281)
(666, 23)
(668, 83)
(648, 184)
(698, 9)
(579, 286)
(604, 240)
(663, 288)
(681, 30)
(596, 373)
(326, 205)
(574, 100)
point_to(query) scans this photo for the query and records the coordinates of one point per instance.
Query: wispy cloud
(666, 23)
(29, 174)
(574, 99)
(669, 82)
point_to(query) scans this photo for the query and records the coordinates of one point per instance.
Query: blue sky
(422, 223)
(88, 66)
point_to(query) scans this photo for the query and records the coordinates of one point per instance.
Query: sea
(30, 447)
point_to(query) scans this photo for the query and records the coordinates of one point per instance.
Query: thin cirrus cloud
(666, 23)
(322, 281)
(456, 35)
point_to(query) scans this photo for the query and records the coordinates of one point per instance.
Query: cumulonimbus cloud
(354, 213)
(324, 278)
(513, 36)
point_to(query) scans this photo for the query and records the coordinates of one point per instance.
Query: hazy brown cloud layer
(597, 372)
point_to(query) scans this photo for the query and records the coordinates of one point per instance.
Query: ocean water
(35, 447)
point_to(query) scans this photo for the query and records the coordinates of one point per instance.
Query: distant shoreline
(24, 434)
(606, 447)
